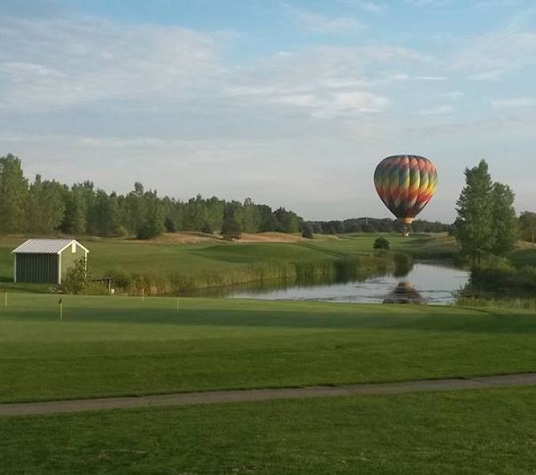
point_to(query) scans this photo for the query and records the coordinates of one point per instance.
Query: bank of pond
(336, 270)
(375, 278)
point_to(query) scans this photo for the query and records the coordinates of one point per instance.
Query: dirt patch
(270, 237)
(198, 237)
(186, 238)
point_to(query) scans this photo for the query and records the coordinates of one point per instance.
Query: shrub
(381, 244)
(76, 278)
(307, 232)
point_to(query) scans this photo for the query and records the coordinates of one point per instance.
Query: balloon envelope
(405, 183)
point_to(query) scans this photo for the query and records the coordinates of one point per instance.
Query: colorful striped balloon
(405, 183)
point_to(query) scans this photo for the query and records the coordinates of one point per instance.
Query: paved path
(216, 397)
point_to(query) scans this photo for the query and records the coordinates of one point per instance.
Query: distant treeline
(47, 207)
(373, 225)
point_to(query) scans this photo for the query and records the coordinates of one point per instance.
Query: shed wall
(68, 258)
(37, 268)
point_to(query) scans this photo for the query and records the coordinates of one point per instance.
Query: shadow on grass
(267, 315)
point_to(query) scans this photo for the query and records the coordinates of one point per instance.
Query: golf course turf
(463, 432)
(106, 346)
(111, 346)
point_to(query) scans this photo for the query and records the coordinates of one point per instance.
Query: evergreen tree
(474, 224)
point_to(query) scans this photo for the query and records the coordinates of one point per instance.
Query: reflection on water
(436, 284)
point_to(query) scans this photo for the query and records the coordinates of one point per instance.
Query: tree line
(374, 225)
(49, 207)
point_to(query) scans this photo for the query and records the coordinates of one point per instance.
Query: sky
(291, 103)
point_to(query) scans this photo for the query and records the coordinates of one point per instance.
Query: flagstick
(61, 309)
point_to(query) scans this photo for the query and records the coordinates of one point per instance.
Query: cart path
(248, 395)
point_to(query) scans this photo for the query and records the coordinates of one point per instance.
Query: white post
(59, 267)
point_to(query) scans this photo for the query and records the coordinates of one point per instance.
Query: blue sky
(291, 103)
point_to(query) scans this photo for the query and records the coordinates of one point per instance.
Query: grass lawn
(203, 260)
(462, 432)
(126, 345)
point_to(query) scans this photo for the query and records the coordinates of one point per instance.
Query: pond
(437, 284)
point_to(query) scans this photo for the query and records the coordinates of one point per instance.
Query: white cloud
(89, 60)
(431, 78)
(318, 23)
(429, 3)
(336, 104)
(453, 94)
(485, 4)
(329, 67)
(490, 56)
(439, 110)
(369, 6)
(325, 82)
(514, 102)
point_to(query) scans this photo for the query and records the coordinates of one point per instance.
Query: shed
(46, 260)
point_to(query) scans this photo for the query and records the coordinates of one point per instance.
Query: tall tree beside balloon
(405, 183)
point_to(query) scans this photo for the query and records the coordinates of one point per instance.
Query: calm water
(437, 284)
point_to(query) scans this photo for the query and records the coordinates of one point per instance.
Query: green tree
(13, 191)
(287, 221)
(381, 244)
(76, 278)
(527, 225)
(504, 219)
(195, 214)
(231, 229)
(134, 210)
(474, 224)
(106, 213)
(232, 214)
(74, 218)
(251, 217)
(268, 222)
(307, 231)
(153, 223)
(45, 206)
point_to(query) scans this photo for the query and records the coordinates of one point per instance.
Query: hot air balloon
(405, 183)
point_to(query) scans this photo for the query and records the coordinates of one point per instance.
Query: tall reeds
(341, 269)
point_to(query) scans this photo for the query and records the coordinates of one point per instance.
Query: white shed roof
(46, 246)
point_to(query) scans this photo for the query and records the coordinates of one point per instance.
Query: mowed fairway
(108, 346)
(462, 432)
